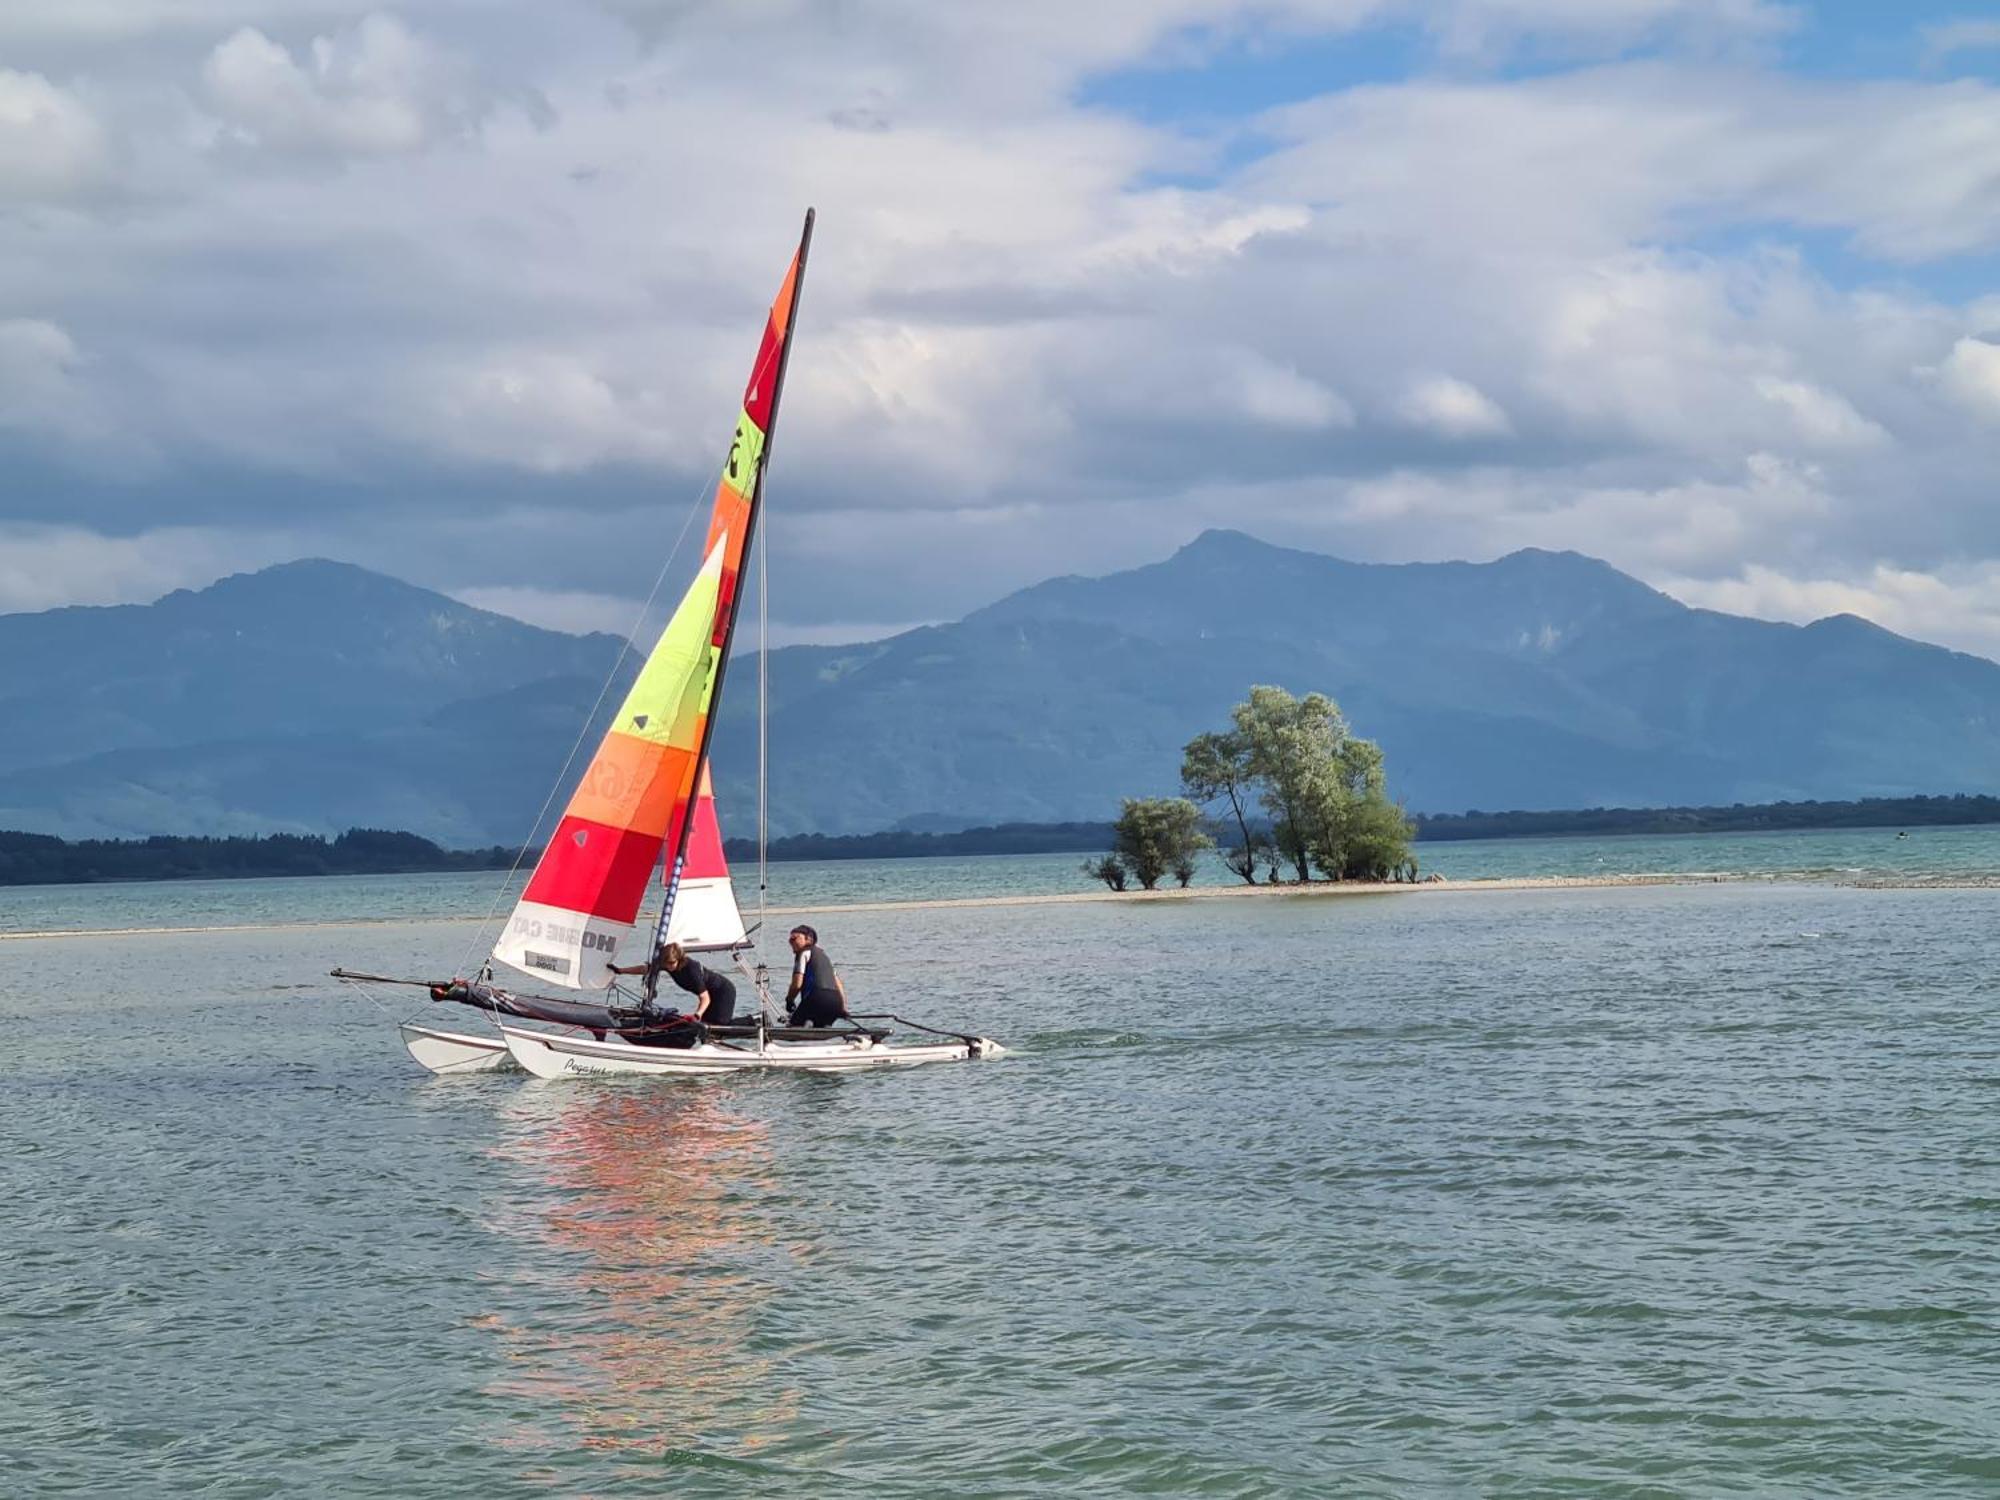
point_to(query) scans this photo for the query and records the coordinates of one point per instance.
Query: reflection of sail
(643, 1262)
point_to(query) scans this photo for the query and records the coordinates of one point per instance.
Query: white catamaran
(645, 804)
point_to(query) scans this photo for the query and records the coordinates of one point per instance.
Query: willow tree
(1158, 836)
(1215, 768)
(1322, 790)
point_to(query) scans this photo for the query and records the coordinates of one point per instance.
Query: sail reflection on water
(630, 1263)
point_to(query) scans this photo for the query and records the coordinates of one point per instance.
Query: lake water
(1856, 856)
(1662, 1191)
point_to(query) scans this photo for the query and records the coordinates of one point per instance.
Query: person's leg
(817, 1010)
(721, 1003)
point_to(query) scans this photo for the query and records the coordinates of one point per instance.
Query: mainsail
(638, 800)
(587, 889)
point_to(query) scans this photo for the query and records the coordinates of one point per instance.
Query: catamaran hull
(454, 1051)
(550, 1056)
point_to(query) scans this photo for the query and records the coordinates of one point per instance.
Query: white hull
(548, 1055)
(454, 1051)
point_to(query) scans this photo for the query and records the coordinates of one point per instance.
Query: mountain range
(315, 696)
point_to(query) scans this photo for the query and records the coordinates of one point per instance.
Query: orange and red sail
(646, 792)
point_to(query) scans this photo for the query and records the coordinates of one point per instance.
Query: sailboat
(645, 804)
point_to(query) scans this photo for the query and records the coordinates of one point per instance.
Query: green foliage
(1216, 768)
(1159, 835)
(1293, 752)
(1322, 790)
(1108, 870)
(1375, 841)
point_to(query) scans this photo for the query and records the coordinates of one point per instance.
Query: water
(1865, 855)
(1663, 1191)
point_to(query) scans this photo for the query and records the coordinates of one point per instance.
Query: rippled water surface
(1680, 1191)
(1854, 856)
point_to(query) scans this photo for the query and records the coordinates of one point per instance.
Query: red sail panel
(704, 851)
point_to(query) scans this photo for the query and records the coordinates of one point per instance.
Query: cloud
(48, 402)
(51, 145)
(1970, 375)
(550, 411)
(36, 363)
(42, 567)
(469, 292)
(1453, 408)
(1958, 607)
(1279, 396)
(1490, 29)
(1823, 419)
(1953, 37)
(371, 90)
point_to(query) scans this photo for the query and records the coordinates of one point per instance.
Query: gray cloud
(467, 294)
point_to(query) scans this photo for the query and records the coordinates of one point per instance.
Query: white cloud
(1958, 606)
(108, 22)
(553, 412)
(1453, 408)
(1970, 375)
(42, 567)
(1014, 339)
(1490, 28)
(51, 145)
(1823, 418)
(374, 89)
(1279, 396)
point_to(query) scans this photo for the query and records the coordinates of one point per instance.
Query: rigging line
(720, 668)
(763, 718)
(624, 649)
(369, 995)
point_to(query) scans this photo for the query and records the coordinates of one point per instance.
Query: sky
(466, 290)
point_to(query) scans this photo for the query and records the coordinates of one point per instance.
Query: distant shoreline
(43, 859)
(1330, 889)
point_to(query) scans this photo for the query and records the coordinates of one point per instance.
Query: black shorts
(721, 1001)
(819, 1009)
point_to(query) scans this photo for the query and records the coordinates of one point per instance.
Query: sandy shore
(1058, 898)
(1302, 892)
(1193, 893)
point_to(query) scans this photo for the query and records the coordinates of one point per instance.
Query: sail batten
(732, 523)
(587, 889)
(645, 802)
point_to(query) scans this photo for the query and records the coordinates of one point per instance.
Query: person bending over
(715, 994)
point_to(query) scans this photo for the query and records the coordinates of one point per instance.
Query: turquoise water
(1658, 1191)
(1867, 856)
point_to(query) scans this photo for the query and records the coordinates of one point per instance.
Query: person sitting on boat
(715, 994)
(816, 996)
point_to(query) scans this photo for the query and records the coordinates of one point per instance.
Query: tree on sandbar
(1154, 837)
(1322, 790)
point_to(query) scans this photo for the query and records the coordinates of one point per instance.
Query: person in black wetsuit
(816, 996)
(715, 995)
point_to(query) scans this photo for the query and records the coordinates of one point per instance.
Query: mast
(735, 607)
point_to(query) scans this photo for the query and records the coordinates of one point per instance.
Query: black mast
(735, 606)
